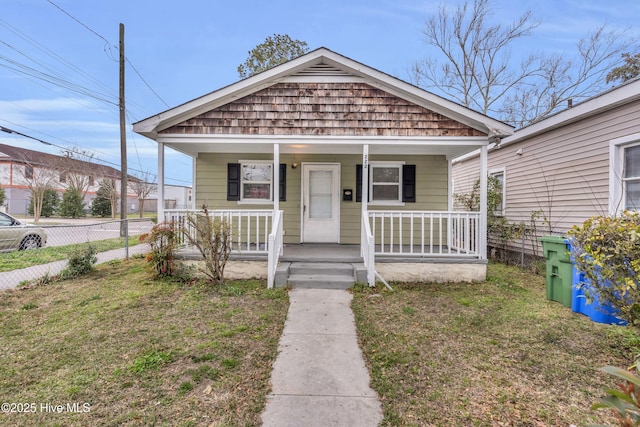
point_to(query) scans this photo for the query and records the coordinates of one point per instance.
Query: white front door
(321, 202)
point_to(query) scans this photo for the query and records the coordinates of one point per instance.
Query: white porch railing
(250, 228)
(275, 246)
(426, 233)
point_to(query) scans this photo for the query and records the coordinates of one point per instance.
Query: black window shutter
(283, 182)
(358, 183)
(409, 183)
(233, 181)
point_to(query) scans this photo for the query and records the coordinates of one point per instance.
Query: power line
(79, 22)
(75, 151)
(110, 45)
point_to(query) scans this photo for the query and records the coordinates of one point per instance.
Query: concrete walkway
(11, 279)
(319, 377)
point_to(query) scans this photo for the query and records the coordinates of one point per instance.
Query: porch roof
(450, 147)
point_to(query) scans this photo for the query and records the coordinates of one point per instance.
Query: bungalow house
(323, 150)
(581, 162)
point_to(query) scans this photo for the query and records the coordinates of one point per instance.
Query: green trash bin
(559, 269)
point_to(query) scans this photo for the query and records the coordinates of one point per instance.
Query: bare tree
(143, 185)
(38, 179)
(108, 186)
(73, 176)
(477, 71)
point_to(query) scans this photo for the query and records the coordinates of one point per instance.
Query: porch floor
(330, 252)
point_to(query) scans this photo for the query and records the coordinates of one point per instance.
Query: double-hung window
(624, 174)
(631, 177)
(256, 180)
(385, 182)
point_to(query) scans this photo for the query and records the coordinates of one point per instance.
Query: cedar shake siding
(326, 109)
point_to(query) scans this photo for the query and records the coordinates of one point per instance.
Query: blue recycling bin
(597, 311)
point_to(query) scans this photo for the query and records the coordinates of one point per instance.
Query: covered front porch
(324, 149)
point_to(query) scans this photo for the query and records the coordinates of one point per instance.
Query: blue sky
(184, 49)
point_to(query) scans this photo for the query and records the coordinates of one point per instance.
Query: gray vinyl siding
(211, 187)
(563, 172)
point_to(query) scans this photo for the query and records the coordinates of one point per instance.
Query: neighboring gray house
(581, 162)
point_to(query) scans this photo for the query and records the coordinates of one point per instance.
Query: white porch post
(160, 182)
(483, 202)
(193, 182)
(451, 189)
(276, 178)
(365, 177)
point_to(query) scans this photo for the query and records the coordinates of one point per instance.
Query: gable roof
(615, 97)
(38, 158)
(321, 65)
(620, 95)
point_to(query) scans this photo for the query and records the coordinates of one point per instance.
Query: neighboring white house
(578, 163)
(19, 166)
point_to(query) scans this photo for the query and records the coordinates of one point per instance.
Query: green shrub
(80, 262)
(625, 401)
(607, 250)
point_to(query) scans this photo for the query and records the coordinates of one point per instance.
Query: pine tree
(101, 205)
(72, 205)
(50, 202)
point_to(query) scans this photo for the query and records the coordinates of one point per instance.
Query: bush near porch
(489, 354)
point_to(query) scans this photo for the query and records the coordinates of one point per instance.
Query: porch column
(483, 202)
(194, 162)
(365, 177)
(276, 178)
(160, 207)
(450, 181)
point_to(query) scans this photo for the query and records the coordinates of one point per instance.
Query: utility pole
(123, 143)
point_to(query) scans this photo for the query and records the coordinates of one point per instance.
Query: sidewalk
(319, 377)
(11, 279)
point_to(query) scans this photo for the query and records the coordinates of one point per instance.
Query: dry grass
(490, 354)
(139, 351)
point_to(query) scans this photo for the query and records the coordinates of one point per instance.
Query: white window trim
(616, 167)
(501, 170)
(386, 164)
(244, 201)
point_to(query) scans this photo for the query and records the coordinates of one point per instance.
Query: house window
(385, 184)
(91, 181)
(28, 172)
(624, 174)
(256, 178)
(631, 177)
(498, 189)
(63, 177)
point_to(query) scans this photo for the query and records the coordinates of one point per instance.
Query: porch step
(321, 275)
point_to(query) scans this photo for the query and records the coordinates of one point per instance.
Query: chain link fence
(112, 240)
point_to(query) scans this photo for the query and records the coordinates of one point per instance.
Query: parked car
(16, 235)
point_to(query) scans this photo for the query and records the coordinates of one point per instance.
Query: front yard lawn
(490, 354)
(138, 351)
